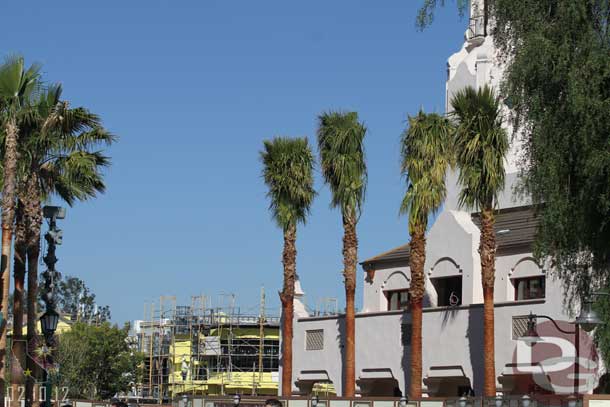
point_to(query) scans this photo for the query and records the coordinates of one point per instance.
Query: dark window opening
(529, 288)
(397, 299)
(448, 291)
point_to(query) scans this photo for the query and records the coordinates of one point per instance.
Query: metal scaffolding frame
(224, 344)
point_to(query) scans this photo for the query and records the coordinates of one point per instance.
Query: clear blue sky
(193, 88)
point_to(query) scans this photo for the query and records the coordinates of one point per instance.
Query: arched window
(528, 280)
(396, 291)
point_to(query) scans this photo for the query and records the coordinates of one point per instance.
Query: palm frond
(342, 159)
(481, 145)
(288, 173)
(427, 152)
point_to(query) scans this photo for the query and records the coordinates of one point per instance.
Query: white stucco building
(452, 323)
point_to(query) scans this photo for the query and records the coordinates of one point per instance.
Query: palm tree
(426, 154)
(481, 145)
(17, 85)
(57, 158)
(288, 172)
(340, 142)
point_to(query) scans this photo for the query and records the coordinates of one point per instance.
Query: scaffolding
(205, 349)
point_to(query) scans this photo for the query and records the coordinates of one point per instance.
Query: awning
(376, 374)
(446, 371)
(313, 376)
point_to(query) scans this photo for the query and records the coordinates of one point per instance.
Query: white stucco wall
(451, 337)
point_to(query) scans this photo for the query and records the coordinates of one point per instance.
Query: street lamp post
(587, 320)
(50, 318)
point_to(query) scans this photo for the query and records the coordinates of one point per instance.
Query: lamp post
(50, 318)
(587, 320)
(236, 400)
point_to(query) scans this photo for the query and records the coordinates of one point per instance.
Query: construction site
(207, 349)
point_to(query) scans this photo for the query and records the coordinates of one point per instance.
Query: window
(529, 288)
(448, 291)
(314, 339)
(397, 299)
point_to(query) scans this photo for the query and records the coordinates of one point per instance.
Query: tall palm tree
(426, 154)
(17, 85)
(288, 172)
(59, 158)
(481, 145)
(340, 142)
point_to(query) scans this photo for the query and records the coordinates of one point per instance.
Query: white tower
(478, 64)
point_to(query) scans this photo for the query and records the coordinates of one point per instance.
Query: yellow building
(208, 351)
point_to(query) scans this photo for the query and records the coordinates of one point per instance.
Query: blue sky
(193, 88)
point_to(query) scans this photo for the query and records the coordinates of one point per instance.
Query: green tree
(58, 157)
(288, 173)
(17, 85)
(95, 361)
(481, 145)
(76, 299)
(426, 152)
(558, 82)
(341, 146)
(425, 15)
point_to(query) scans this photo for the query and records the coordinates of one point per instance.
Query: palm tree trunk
(488, 250)
(8, 218)
(287, 298)
(350, 258)
(33, 214)
(19, 276)
(417, 259)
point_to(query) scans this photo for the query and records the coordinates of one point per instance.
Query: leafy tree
(76, 299)
(17, 85)
(340, 142)
(95, 361)
(425, 15)
(288, 172)
(426, 152)
(558, 82)
(480, 146)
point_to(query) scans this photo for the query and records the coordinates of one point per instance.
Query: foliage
(558, 81)
(426, 151)
(75, 298)
(481, 145)
(60, 145)
(340, 141)
(96, 362)
(288, 172)
(425, 15)
(18, 86)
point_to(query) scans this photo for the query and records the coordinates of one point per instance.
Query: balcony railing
(476, 28)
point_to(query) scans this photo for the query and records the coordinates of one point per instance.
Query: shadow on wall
(341, 339)
(405, 340)
(449, 316)
(474, 335)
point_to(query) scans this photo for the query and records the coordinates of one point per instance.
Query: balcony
(476, 30)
